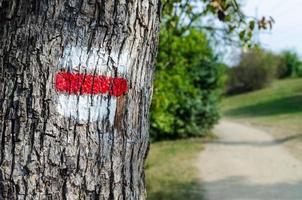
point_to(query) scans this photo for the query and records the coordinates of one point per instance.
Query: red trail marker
(79, 83)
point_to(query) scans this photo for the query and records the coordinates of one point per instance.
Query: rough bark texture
(45, 154)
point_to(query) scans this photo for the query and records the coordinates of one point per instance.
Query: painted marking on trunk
(77, 83)
(88, 84)
(85, 108)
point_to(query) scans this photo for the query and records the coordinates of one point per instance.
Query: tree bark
(58, 142)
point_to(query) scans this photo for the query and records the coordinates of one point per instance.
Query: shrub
(185, 101)
(255, 70)
(290, 65)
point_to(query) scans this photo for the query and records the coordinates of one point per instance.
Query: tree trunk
(76, 86)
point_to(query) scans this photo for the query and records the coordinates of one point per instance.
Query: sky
(287, 30)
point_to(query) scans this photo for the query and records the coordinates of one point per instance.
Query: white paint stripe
(85, 108)
(94, 61)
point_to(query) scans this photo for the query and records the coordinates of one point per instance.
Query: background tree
(222, 20)
(290, 65)
(257, 68)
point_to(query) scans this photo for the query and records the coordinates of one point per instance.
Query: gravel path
(248, 164)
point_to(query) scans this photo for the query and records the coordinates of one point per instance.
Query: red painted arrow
(78, 83)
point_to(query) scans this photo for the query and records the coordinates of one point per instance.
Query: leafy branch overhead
(180, 15)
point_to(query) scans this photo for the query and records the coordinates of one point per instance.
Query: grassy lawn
(279, 105)
(170, 170)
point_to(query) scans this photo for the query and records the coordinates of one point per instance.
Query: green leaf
(235, 4)
(242, 35)
(252, 25)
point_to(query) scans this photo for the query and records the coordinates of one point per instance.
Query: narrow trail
(245, 163)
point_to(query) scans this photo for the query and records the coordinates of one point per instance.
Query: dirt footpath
(245, 163)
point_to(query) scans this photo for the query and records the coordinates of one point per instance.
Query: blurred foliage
(186, 87)
(256, 69)
(290, 65)
(188, 76)
(235, 26)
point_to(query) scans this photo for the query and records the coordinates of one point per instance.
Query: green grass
(279, 105)
(170, 170)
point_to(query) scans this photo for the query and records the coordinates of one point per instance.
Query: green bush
(186, 87)
(255, 70)
(290, 65)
